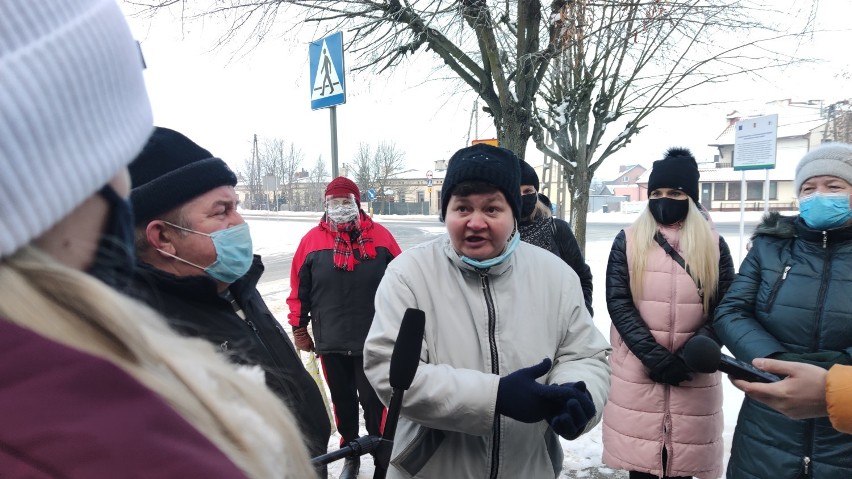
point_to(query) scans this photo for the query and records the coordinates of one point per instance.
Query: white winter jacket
(479, 327)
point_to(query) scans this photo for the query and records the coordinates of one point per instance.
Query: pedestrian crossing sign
(328, 87)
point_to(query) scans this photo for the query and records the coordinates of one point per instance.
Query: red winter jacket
(68, 414)
(338, 302)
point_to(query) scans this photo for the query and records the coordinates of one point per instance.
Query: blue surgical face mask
(487, 263)
(233, 252)
(824, 211)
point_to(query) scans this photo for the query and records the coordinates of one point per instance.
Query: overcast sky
(220, 101)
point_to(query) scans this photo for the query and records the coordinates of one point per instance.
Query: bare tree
(283, 160)
(316, 187)
(362, 166)
(619, 61)
(389, 161)
(500, 50)
(838, 124)
(377, 169)
(251, 174)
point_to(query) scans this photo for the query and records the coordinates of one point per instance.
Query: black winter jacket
(792, 294)
(193, 307)
(633, 330)
(565, 246)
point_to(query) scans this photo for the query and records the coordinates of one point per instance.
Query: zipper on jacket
(823, 288)
(495, 369)
(824, 239)
(775, 288)
(268, 351)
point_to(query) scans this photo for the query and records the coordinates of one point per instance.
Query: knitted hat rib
(678, 170)
(172, 170)
(490, 164)
(830, 159)
(342, 186)
(73, 109)
(528, 175)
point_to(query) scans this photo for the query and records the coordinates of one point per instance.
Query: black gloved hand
(576, 412)
(823, 359)
(520, 397)
(671, 370)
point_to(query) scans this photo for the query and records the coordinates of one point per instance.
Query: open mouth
(475, 240)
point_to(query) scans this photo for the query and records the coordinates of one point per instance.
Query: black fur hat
(679, 170)
(497, 166)
(170, 171)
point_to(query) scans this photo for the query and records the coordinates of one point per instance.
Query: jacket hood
(773, 224)
(779, 226)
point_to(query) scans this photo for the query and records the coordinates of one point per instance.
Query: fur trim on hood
(774, 224)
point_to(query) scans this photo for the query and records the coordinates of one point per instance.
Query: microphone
(704, 355)
(403, 365)
(358, 447)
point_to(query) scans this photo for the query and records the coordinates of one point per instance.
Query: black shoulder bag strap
(679, 260)
(556, 238)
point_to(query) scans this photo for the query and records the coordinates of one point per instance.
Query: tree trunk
(515, 131)
(579, 184)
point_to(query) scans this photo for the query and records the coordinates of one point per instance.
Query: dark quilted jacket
(793, 293)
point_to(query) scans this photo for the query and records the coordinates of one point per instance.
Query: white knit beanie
(73, 109)
(830, 159)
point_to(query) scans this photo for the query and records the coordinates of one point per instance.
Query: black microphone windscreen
(406, 351)
(702, 354)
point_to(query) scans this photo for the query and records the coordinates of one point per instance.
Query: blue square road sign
(328, 86)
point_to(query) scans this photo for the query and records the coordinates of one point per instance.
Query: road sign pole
(333, 116)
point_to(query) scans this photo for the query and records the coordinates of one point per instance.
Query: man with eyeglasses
(335, 273)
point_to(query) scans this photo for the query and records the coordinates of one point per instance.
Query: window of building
(773, 190)
(625, 179)
(402, 197)
(719, 191)
(734, 190)
(754, 190)
(420, 197)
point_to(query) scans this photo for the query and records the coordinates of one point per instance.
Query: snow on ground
(582, 456)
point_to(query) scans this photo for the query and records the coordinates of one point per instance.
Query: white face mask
(342, 213)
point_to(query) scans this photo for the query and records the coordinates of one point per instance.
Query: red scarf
(343, 255)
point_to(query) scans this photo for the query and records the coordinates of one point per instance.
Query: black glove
(520, 397)
(671, 370)
(823, 359)
(576, 412)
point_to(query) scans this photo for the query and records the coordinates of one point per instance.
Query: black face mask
(115, 257)
(668, 211)
(528, 204)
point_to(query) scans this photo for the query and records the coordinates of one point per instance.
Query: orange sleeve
(838, 397)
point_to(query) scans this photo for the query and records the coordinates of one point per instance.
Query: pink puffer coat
(642, 417)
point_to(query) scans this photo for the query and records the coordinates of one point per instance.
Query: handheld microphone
(704, 355)
(403, 366)
(358, 447)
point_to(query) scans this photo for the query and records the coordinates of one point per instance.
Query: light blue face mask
(824, 211)
(234, 253)
(485, 264)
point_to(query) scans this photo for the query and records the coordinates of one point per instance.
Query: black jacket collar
(200, 288)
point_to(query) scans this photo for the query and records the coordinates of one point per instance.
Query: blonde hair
(240, 416)
(697, 241)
